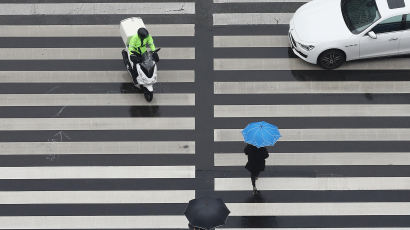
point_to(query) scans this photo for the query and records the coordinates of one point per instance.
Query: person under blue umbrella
(256, 162)
(257, 135)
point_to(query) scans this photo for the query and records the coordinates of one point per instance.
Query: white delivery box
(129, 27)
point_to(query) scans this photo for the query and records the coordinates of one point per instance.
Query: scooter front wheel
(148, 96)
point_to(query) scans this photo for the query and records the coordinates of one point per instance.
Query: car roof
(386, 12)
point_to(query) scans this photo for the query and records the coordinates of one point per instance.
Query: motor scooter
(143, 71)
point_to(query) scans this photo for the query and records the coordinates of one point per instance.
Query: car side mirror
(372, 35)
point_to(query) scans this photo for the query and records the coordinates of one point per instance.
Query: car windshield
(359, 14)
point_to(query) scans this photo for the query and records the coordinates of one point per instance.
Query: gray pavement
(80, 148)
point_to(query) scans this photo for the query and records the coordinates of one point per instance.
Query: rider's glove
(156, 57)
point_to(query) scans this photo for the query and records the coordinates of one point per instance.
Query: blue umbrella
(261, 134)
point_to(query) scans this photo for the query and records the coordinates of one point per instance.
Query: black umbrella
(207, 212)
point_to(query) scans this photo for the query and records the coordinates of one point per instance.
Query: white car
(330, 32)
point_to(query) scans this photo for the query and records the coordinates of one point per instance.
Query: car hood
(319, 21)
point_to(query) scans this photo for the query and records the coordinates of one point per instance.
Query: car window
(408, 21)
(359, 14)
(389, 25)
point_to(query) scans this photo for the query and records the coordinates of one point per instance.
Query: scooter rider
(138, 45)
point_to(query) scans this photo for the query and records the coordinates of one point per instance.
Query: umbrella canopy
(261, 134)
(207, 212)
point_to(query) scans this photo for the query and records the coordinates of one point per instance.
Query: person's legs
(253, 179)
(135, 58)
(254, 176)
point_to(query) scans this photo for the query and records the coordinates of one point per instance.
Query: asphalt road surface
(80, 148)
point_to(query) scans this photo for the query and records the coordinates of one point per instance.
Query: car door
(387, 42)
(404, 46)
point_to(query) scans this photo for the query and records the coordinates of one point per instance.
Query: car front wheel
(331, 59)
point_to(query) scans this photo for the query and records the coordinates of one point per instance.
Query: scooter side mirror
(372, 35)
(156, 51)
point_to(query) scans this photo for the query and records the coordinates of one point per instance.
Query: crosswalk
(80, 148)
(342, 161)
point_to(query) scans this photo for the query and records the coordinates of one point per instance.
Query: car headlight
(306, 47)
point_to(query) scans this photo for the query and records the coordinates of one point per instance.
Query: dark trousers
(253, 177)
(136, 58)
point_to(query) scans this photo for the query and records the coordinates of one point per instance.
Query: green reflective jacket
(135, 43)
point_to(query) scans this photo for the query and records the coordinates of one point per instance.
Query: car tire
(331, 59)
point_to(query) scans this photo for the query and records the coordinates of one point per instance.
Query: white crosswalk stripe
(84, 53)
(92, 222)
(95, 197)
(310, 87)
(251, 41)
(97, 172)
(93, 99)
(163, 123)
(118, 147)
(252, 18)
(323, 183)
(98, 8)
(90, 30)
(311, 110)
(335, 158)
(89, 76)
(319, 209)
